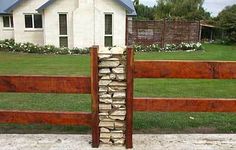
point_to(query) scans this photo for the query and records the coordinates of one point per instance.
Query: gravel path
(141, 142)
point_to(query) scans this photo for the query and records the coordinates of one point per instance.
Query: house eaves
(4, 4)
(127, 4)
(13, 6)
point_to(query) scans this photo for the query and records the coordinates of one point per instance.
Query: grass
(31, 64)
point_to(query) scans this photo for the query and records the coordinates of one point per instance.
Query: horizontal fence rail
(52, 118)
(185, 69)
(43, 84)
(184, 105)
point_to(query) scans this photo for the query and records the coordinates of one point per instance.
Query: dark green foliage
(227, 20)
(144, 12)
(181, 9)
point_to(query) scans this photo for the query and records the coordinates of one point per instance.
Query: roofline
(13, 6)
(130, 10)
(2, 14)
(45, 5)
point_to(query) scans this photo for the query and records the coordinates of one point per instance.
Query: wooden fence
(45, 84)
(162, 32)
(176, 69)
(135, 69)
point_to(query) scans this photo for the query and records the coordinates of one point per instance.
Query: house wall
(51, 22)
(84, 24)
(5, 33)
(119, 22)
(89, 23)
(27, 35)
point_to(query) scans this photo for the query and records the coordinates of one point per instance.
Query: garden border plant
(12, 46)
(169, 47)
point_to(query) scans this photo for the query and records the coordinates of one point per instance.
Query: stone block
(105, 106)
(104, 82)
(118, 113)
(109, 125)
(105, 130)
(104, 71)
(105, 135)
(106, 100)
(119, 124)
(120, 77)
(109, 64)
(105, 96)
(119, 95)
(115, 83)
(118, 70)
(117, 117)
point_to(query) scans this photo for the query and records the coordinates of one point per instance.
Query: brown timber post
(94, 94)
(163, 33)
(129, 99)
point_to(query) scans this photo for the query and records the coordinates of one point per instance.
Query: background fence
(162, 32)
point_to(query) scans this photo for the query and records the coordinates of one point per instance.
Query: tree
(136, 2)
(227, 20)
(144, 12)
(184, 9)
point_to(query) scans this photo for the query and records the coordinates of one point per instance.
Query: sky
(213, 6)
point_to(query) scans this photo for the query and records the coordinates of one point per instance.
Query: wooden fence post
(163, 33)
(94, 94)
(129, 99)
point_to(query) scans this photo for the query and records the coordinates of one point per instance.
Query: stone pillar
(112, 95)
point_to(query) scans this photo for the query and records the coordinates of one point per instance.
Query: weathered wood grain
(184, 105)
(45, 84)
(52, 118)
(129, 99)
(95, 100)
(185, 69)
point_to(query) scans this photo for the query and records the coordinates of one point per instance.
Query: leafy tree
(184, 9)
(227, 20)
(136, 2)
(144, 12)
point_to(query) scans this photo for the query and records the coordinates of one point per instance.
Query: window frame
(33, 21)
(11, 22)
(59, 34)
(112, 31)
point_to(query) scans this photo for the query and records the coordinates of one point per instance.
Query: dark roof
(127, 4)
(4, 4)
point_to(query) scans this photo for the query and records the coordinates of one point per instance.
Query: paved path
(141, 142)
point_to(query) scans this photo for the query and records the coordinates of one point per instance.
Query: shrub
(169, 47)
(11, 46)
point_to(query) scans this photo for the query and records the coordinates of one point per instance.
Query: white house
(66, 23)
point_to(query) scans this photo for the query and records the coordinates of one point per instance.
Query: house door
(63, 33)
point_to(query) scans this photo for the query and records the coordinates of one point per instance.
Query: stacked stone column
(112, 95)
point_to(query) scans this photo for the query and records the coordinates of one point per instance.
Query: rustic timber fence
(162, 32)
(182, 70)
(46, 84)
(134, 69)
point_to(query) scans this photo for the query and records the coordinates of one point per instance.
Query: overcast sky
(213, 6)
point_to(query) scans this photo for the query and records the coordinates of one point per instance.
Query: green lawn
(31, 64)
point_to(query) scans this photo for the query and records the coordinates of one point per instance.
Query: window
(108, 30)
(8, 22)
(63, 35)
(33, 21)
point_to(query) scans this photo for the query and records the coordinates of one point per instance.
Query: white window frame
(10, 23)
(67, 36)
(109, 35)
(33, 27)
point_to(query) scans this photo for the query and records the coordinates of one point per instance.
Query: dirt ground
(141, 142)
